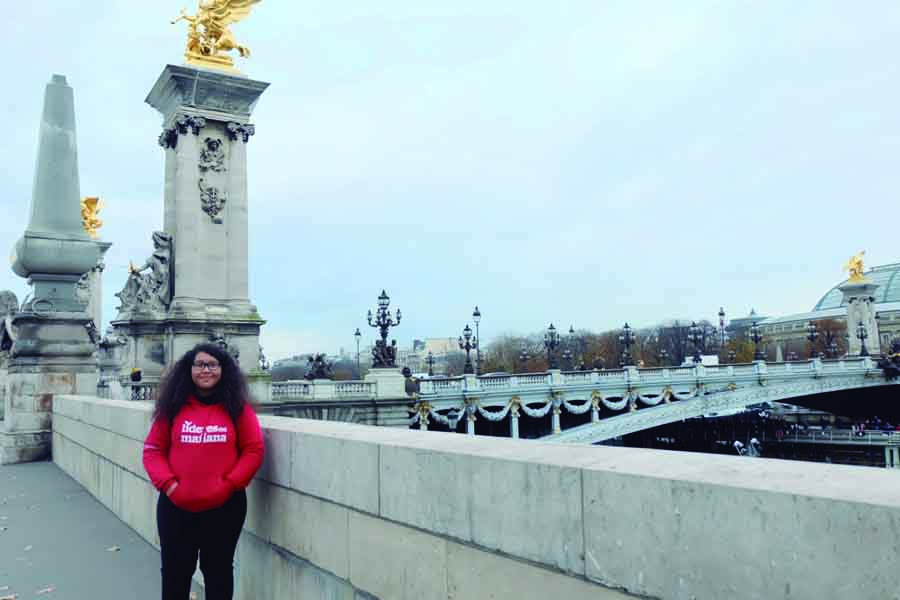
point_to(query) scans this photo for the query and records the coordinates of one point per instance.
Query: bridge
(627, 400)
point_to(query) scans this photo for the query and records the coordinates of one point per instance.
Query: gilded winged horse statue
(209, 37)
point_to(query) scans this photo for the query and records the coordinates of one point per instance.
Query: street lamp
(722, 325)
(830, 344)
(812, 334)
(695, 337)
(358, 336)
(468, 345)
(661, 357)
(862, 334)
(567, 354)
(429, 360)
(551, 344)
(476, 316)
(384, 355)
(626, 338)
(757, 337)
(524, 357)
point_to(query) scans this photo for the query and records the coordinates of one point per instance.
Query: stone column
(860, 300)
(52, 352)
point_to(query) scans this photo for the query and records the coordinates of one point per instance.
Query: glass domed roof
(888, 287)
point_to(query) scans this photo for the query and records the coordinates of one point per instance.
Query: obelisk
(53, 351)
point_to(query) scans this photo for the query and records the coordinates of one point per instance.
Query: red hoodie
(202, 452)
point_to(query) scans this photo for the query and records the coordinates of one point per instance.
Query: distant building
(789, 332)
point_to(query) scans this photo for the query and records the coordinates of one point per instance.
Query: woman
(204, 447)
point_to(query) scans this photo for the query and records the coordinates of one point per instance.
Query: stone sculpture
(318, 368)
(150, 291)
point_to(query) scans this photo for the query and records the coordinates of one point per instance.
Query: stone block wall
(355, 512)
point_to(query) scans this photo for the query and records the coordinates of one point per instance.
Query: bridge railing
(842, 436)
(322, 389)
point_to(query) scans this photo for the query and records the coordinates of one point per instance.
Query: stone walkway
(58, 543)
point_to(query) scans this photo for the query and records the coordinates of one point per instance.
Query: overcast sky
(581, 162)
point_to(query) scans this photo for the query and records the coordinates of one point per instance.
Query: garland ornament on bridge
(384, 356)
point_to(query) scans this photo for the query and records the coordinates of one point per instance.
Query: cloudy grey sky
(579, 162)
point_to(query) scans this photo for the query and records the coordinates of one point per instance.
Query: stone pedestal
(200, 277)
(389, 383)
(52, 355)
(860, 300)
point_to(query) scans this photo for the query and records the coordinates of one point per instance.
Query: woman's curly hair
(177, 384)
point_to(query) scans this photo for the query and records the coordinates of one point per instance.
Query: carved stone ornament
(236, 130)
(212, 157)
(183, 122)
(168, 138)
(212, 200)
(149, 287)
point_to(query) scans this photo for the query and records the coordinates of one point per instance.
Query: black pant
(212, 533)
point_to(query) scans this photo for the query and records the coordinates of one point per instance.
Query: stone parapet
(342, 510)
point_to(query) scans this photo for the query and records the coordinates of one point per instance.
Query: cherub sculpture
(90, 208)
(209, 37)
(855, 267)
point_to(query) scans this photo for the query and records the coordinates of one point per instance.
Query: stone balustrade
(348, 511)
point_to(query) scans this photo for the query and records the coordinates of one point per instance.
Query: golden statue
(856, 268)
(90, 208)
(209, 37)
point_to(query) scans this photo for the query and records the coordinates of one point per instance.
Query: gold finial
(856, 268)
(209, 38)
(90, 208)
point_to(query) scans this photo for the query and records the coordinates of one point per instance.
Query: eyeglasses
(207, 366)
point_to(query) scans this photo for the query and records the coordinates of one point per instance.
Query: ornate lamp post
(862, 334)
(429, 360)
(524, 357)
(830, 344)
(382, 354)
(626, 338)
(567, 354)
(476, 316)
(551, 344)
(695, 337)
(468, 345)
(757, 337)
(662, 357)
(722, 334)
(358, 336)
(812, 334)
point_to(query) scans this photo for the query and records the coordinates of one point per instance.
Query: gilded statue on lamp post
(209, 37)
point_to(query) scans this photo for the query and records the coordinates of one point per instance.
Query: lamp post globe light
(756, 337)
(476, 316)
(551, 345)
(429, 360)
(567, 354)
(862, 334)
(468, 344)
(626, 338)
(382, 354)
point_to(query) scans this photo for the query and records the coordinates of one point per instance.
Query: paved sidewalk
(58, 543)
